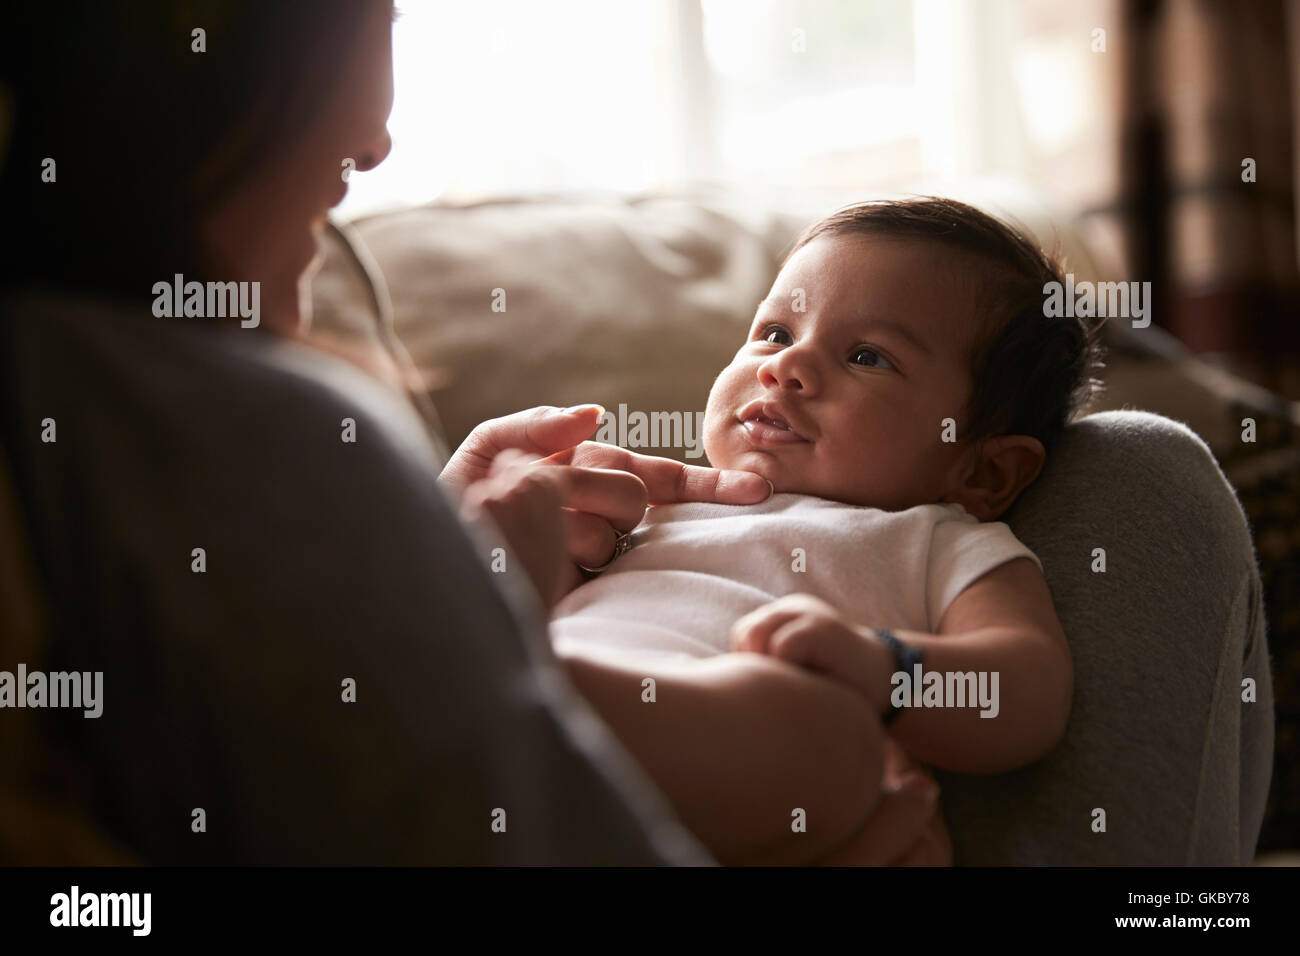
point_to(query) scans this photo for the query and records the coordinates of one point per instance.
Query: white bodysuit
(694, 569)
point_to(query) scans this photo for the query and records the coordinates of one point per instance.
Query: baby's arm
(1005, 623)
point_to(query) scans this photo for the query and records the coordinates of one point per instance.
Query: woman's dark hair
(146, 132)
(1030, 372)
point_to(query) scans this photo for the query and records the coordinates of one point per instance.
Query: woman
(304, 656)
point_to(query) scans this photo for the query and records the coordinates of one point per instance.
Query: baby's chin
(787, 479)
(784, 478)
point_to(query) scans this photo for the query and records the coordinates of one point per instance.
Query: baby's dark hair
(1031, 373)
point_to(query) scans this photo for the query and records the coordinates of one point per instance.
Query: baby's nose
(787, 370)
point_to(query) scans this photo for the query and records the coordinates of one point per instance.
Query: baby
(899, 387)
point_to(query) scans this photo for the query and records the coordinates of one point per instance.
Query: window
(841, 96)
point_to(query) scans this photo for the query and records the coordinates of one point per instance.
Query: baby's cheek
(855, 467)
(715, 418)
(715, 448)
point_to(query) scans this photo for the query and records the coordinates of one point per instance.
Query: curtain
(1207, 204)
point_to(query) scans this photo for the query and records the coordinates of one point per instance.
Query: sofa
(478, 310)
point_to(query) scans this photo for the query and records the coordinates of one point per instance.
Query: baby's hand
(807, 631)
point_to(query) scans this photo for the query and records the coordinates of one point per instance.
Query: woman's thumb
(569, 427)
(546, 430)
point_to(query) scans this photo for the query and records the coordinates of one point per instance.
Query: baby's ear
(1000, 469)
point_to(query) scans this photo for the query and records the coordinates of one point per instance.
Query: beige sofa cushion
(507, 305)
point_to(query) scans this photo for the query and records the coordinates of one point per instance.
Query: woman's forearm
(739, 743)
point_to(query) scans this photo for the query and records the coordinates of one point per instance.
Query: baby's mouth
(765, 424)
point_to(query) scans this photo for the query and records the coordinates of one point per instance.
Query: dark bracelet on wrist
(905, 660)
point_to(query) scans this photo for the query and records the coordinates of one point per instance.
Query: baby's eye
(776, 335)
(857, 359)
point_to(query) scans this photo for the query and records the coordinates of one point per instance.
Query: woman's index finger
(667, 480)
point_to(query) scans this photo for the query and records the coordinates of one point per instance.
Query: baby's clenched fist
(805, 630)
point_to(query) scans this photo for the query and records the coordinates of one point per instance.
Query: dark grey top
(325, 560)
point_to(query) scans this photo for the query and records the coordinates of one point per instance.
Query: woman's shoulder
(148, 436)
(184, 382)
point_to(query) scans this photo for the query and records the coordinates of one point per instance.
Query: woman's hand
(524, 503)
(539, 431)
(604, 489)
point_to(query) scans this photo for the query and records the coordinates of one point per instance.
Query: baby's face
(846, 399)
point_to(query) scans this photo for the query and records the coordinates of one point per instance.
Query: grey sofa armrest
(1159, 737)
